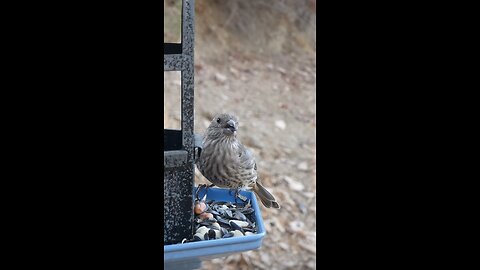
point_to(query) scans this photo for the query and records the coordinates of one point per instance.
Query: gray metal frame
(179, 164)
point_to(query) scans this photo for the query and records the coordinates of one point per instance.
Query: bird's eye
(218, 120)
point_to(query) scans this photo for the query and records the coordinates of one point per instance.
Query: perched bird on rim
(227, 163)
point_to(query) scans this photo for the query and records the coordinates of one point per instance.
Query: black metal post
(179, 164)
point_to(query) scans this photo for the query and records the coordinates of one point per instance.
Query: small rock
(303, 166)
(233, 71)
(267, 226)
(259, 265)
(303, 208)
(280, 227)
(280, 124)
(312, 265)
(290, 264)
(220, 77)
(265, 258)
(309, 195)
(296, 226)
(283, 246)
(293, 184)
(310, 248)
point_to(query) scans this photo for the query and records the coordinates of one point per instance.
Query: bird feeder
(181, 149)
(190, 255)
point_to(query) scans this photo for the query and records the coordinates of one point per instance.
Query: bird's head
(223, 124)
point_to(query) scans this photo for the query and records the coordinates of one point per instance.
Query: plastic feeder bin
(190, 255)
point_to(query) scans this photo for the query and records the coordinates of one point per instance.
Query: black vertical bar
(179, 171)
(188, 45)
(188, 40)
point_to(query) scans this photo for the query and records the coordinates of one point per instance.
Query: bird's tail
(266, 197)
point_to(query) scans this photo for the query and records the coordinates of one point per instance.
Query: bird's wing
(246, 158)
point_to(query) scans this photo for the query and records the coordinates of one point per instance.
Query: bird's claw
(239, 196)
(243, 198)
(206, 190)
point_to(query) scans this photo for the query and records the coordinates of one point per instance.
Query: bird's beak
(231, 125)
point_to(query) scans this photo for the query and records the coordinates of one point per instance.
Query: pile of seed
(219, 219)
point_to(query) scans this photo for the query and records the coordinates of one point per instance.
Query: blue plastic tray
(190, 255)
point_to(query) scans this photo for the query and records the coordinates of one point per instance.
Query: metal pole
(179, 165)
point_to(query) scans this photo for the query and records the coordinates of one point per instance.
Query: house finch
(227, 163)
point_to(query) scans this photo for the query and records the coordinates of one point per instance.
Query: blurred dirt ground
(272, 91)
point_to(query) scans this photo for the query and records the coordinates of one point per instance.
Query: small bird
(227, 163)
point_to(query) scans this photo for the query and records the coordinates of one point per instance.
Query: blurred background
(256, 59)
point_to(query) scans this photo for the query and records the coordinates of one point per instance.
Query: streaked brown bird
(227, 163)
